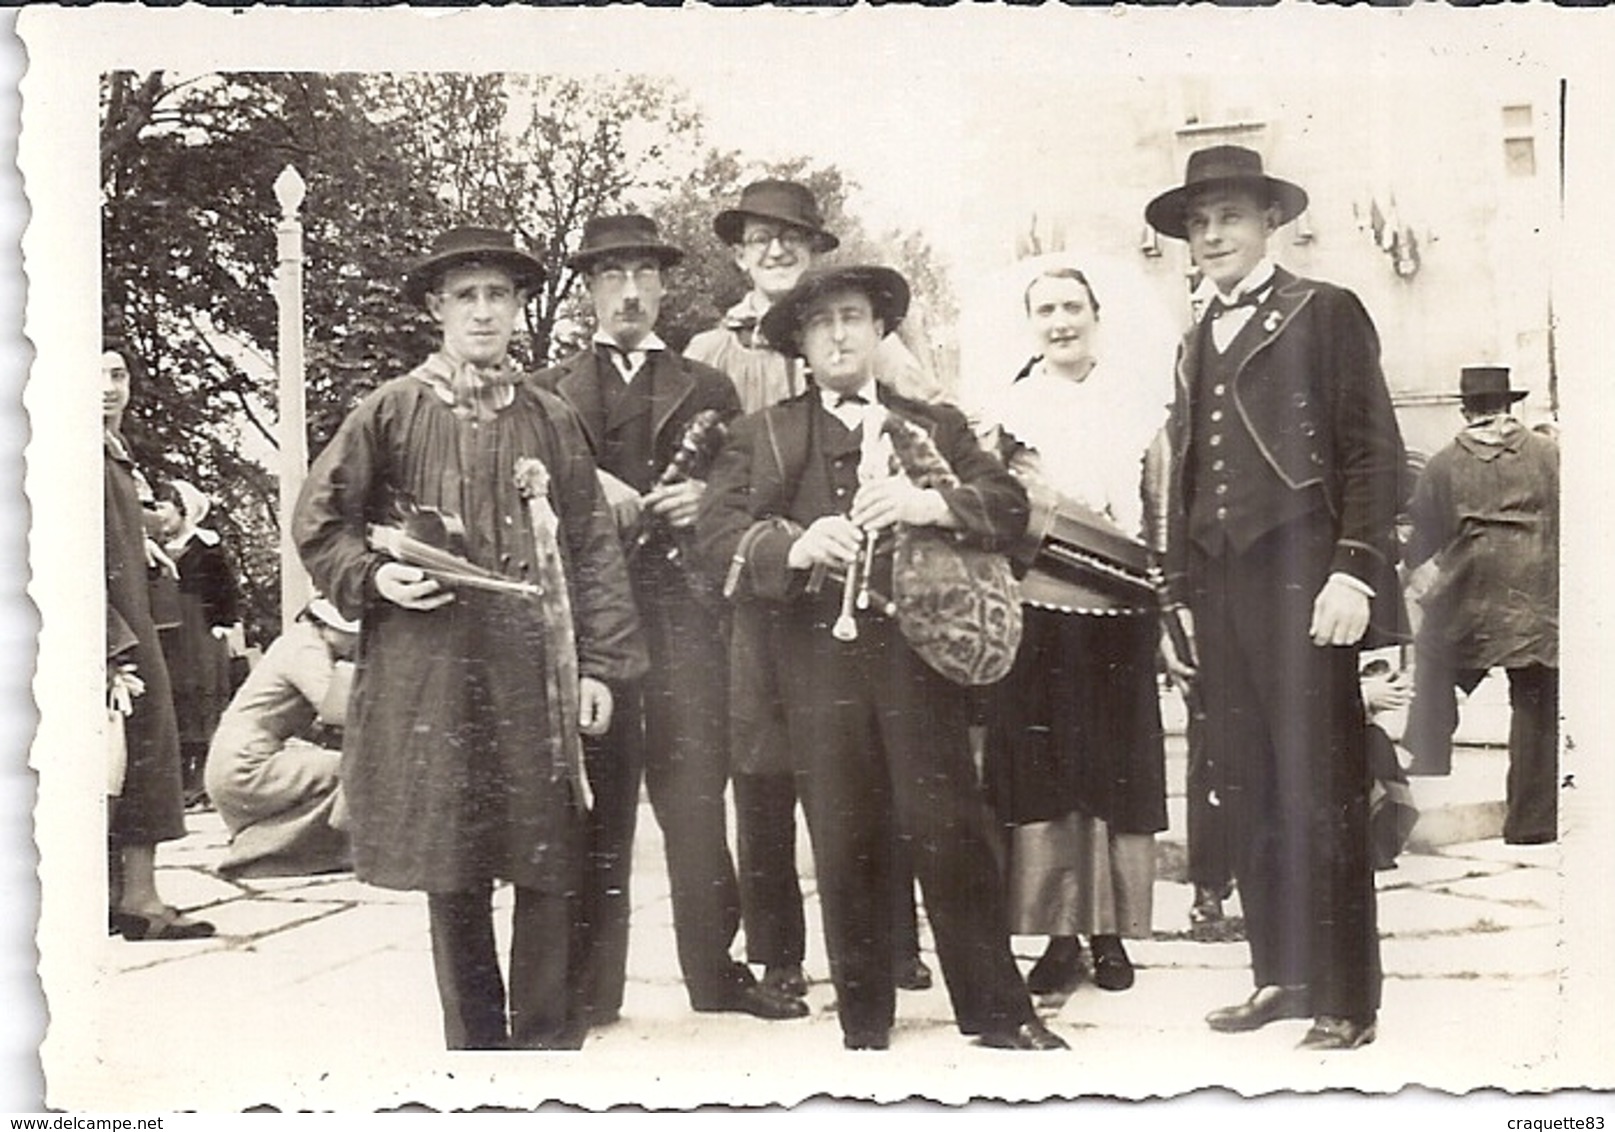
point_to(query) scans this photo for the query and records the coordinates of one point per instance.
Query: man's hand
(594, 706)
(832, 540)
(897, 499)
(625, 502)
(1339, 614)
(676, 503)
(409, 587)
(1182, 669)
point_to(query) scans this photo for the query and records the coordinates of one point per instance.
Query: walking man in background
(1487, 510)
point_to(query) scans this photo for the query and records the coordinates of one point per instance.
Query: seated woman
(1075, 759)
(272, 767)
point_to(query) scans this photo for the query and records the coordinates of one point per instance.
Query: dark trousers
(546, 1007)
(770, 891)
(1533, 739)
(883, 753)
(1211, 863)
(1286, 727)
(672, 726)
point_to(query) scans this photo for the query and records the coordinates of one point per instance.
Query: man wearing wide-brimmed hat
(1487, 510)
(878, 737)
(1282, 545)
(776, 232)
(638, 401)
(461, 691)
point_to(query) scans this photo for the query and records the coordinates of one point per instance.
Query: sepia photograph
(816, 558)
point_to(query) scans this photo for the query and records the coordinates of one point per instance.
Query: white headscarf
(196, 506)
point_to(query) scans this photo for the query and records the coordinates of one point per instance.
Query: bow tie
(851, 399)
(1221, 306)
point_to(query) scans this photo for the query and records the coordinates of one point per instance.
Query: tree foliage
(188, 164)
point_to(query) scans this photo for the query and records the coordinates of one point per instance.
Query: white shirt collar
(1259, 276)
(646, 344)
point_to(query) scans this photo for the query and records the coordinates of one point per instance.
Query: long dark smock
(441, 758)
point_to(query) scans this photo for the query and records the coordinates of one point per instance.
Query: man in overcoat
(776, 232)
(879, 738)
(1487, 510)
(460, 761)
(1281, 543)
(636, 399)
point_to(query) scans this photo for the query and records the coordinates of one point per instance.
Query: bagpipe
(956, 605)
(698, 447)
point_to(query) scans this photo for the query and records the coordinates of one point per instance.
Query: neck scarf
(473, 392)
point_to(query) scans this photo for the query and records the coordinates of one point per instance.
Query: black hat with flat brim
(784, 202)
(459, 247)
(622, 236)
(1487, 383)
(887, 291)
(1222, 167)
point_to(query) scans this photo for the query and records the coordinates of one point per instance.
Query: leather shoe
(1332, 1032)
(787, 979)
(867, 1039)
(171, 925)
(1268, 1004)
(1059, 969)
(1207, 906)
(1033, 1035)
(758, 1001)
(1112, 969)
(913, 975)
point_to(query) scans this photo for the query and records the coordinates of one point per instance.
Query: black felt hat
(1217, 167)
(887, 290)
(459, 246)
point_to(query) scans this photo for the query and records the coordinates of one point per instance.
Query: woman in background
(197, 648)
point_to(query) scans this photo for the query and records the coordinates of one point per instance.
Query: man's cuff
(1355, 583)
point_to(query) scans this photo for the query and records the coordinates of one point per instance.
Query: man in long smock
(453, 763)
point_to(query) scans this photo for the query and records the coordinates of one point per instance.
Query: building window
(1519, 141)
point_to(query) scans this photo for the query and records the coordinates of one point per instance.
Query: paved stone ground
(318, 993)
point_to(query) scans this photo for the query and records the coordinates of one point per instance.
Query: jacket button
(1222, 489)
(1308, 429)
(1222, 512)
(1219, 389)
(1215, 439)
(1300, 401)
(1218, 464)
(1315, 458)
(1216, 415)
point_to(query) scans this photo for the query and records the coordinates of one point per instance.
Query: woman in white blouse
(1075, 762)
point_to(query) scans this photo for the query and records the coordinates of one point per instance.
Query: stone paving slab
(1419, 869)
(1417, 912)
(1520, 953)
(1518, 886)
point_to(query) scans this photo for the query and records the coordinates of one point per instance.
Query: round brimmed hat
(622, 235)
(1221, 167)
(321, 610)
(1488, 383)
(887, 290)
(784, 201)
(460, 246)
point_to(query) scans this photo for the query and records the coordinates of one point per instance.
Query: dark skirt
(1076, 725)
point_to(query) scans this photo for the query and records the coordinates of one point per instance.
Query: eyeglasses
(791, 239)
